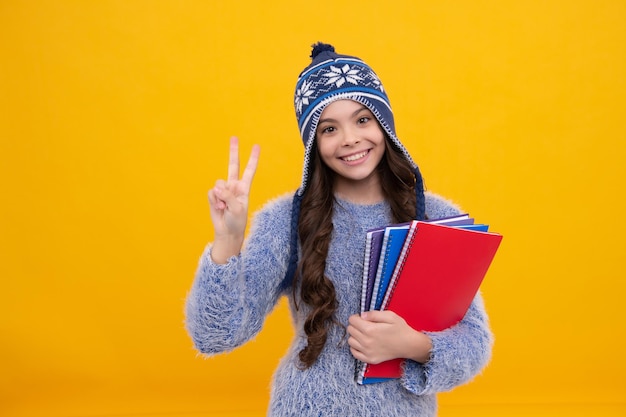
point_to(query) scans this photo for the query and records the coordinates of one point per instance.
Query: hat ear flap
(420, 199)
(293, 242)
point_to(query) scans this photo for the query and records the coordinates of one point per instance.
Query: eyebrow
(352, 115)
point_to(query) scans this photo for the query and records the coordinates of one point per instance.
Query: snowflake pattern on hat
(340, 75)
(303, 93)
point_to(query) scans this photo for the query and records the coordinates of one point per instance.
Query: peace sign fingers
(229, 198)
(241, 185)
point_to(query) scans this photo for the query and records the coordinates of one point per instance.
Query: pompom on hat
(331, 77)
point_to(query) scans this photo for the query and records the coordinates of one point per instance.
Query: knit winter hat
(331, 77)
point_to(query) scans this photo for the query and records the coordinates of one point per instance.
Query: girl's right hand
(229, 204)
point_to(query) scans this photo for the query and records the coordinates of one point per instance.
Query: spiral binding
(366, 266)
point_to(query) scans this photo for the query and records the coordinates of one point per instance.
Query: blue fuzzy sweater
(227, 306)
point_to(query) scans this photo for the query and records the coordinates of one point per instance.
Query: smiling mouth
(355, 157)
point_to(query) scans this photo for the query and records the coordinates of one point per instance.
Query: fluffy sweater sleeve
(227, 304)
(460, 352)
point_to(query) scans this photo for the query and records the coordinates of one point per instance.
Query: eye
(364, 119)
(327, 130)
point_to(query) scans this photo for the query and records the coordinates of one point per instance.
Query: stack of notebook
(426, 272)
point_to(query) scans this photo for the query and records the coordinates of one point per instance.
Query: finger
(214, 195)
(248, 173)
(355, 324)
(358, 355)
(355, 344)
(352, 330)
(230, 202)
(358, 327)
(377, 316)
(214, 200)
(233, 159)
(354, 319)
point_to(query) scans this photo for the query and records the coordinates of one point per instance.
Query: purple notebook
(372, 254)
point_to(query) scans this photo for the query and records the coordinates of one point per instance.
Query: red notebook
(435, 282)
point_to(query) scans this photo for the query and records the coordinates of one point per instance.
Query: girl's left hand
(378, 336)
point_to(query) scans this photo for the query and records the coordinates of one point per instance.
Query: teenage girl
(309, 246)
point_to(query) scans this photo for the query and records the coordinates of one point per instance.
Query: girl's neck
(359, 192)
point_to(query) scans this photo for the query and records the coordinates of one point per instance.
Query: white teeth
(355, 156)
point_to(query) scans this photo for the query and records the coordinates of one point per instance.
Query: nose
(350, 137)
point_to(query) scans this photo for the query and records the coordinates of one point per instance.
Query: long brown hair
(315, 229)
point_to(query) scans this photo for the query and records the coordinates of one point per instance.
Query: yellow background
(114, 122)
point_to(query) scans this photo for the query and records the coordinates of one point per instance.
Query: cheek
(378, 136)
(326, 150)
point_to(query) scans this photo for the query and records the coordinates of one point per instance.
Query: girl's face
(351, 142)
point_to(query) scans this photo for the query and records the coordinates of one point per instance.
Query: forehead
(342, 108)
